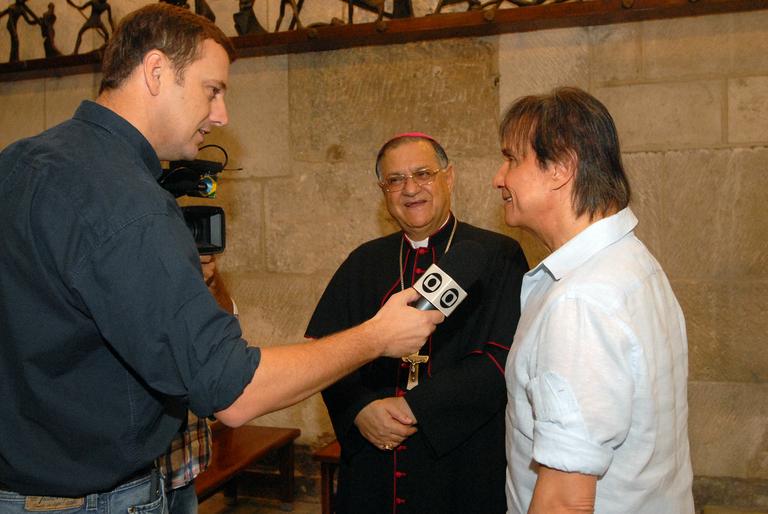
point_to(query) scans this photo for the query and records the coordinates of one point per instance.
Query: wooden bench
(236, 449)
(328, 456)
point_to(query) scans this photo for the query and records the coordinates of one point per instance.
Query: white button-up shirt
(597, 376)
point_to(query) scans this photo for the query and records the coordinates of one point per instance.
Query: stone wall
(690, 98)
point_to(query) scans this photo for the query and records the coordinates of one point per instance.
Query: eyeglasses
(396, 182)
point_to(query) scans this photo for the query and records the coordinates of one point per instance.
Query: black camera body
(198, 178)
(206, 222)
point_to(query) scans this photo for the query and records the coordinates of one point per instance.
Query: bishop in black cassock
(455, 463)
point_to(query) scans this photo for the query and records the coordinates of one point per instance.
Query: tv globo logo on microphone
(440, 290)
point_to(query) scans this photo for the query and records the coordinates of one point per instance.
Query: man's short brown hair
(176, 32)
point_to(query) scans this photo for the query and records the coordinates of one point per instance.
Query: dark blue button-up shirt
(107, 330)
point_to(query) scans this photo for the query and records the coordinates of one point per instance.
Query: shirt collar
(587, 243)
(441, 235)
(91, 112)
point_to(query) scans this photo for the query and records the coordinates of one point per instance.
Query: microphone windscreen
(464, 262)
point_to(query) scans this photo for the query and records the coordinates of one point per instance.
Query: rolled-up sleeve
(581, 386)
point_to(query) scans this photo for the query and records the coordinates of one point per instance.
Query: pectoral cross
(413, 372)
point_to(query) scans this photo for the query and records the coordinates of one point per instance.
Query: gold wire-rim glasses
(422, 177)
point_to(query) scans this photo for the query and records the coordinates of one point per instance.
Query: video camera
(198, 178)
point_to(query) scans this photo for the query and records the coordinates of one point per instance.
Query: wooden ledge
(235, 449)
(423, 28)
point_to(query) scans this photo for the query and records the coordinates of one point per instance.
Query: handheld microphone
(444, 287)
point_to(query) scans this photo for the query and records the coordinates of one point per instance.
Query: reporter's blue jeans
(182, 500)
(141, 496)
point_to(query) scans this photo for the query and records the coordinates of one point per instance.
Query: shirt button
(405, 365)
(419, 271)
(400, 474)
(399, 501)
(423, 250)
